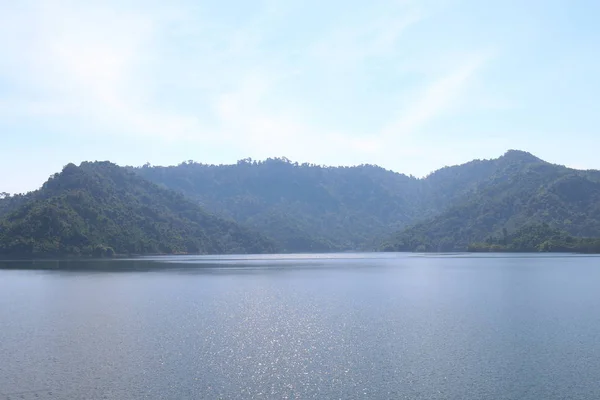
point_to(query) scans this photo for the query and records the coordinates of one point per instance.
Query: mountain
(307, 207)
(303, 207)
(99, 208)
(517, 190)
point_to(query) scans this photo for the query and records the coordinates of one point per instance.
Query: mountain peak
(520, 155)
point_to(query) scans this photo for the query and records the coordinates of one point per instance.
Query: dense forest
(522, 191)
(314, 208)
(10, 202)
(101, 209)
(304, 207)
(307, 207)
(537, 238)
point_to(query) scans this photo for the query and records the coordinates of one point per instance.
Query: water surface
(348, 326)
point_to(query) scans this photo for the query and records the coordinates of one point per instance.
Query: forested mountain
(521, 191)
(100, 209)
(304, 207)
(313, 208)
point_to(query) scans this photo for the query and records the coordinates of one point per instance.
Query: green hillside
(522, 191)
(314, 208)
(303, 207)
(100, 209)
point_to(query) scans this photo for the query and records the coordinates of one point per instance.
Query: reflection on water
(301, 326)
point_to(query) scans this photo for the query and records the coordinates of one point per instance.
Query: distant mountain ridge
(313, 208)
(279, 205)
(522, 190)
(303, 207)
(101, 209)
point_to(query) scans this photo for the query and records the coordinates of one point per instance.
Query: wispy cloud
(434, 99)
(408, 84)
(349, 46)
(173, 74)
(82, 58)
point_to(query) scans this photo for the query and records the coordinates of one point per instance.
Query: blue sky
(408, 85)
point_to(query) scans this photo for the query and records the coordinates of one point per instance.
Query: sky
(410, 85)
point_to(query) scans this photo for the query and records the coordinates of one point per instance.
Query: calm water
(347, 326)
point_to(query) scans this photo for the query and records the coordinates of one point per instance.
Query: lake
(344, 326)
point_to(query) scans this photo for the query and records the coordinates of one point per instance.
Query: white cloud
(106, 65)
(84, 61)
(348, 46)
(435, 99)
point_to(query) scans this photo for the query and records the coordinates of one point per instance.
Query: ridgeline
(516, 202)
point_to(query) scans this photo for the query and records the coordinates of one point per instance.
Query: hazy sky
(409, 85)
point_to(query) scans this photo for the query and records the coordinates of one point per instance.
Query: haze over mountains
(313, 208)
(279, 205)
